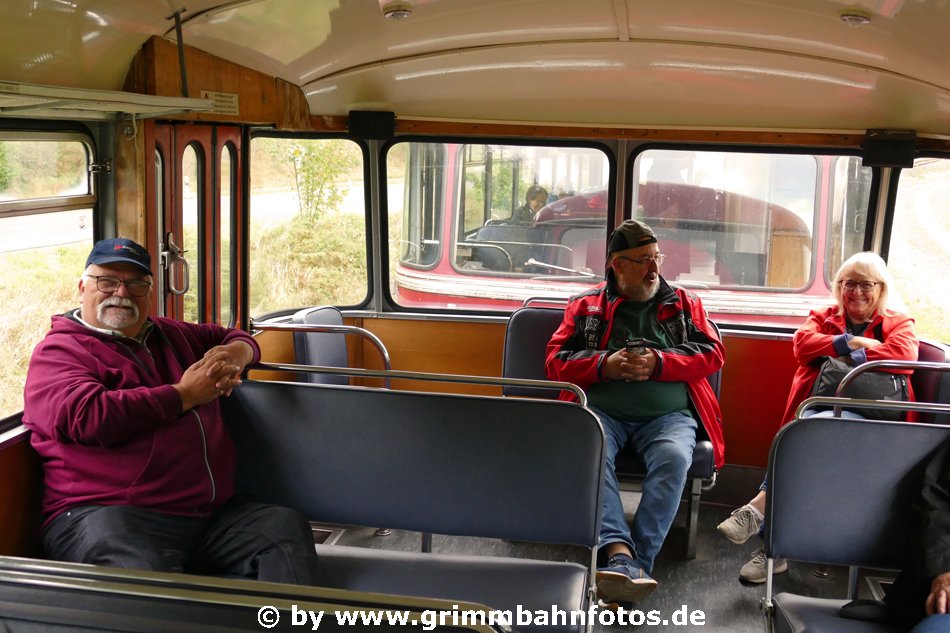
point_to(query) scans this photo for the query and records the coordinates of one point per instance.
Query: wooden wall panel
(262, 99)
(130, 165)
(21, 489)
(445, 347)
(276, 347)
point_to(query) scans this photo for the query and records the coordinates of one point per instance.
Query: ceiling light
(397, 10)
(855, 16)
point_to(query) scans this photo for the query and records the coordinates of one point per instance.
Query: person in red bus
(858, 328)
(534, 198)
(652, 398)
(139, 467)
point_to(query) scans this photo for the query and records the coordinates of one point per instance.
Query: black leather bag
(871, 385)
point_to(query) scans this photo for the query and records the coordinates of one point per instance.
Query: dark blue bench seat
(479, 466)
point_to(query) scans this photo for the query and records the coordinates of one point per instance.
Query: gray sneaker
(754, 570)
(741, 525)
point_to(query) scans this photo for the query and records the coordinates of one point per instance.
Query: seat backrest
(526, 340)
(840, 490)
(932, 386)
(443, 463)
(117, 600)
(321, 348)
(492, 257)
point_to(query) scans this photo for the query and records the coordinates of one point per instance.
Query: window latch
(101, 168)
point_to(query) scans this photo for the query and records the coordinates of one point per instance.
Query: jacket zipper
(204, 452)
(201, 429)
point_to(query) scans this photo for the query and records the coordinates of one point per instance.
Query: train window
(307, 224)
(756, 234)
(227, 202)
(485, 226)
(847, 217)
(417, 171)
(917, 257)
(192, 192)
(46, 231)
(730, 219)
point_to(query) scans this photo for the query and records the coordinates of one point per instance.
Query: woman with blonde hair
(861, 326)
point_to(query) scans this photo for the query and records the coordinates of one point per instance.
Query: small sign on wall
(224, 102)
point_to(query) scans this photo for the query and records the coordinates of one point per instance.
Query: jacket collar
(76, 316)
(664, 295)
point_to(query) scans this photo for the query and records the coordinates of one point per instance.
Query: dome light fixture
(855, 16)
(397, 10)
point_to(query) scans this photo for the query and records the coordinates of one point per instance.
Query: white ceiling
(771, 64)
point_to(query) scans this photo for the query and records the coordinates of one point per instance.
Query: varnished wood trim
(262, 99)
(21, 490)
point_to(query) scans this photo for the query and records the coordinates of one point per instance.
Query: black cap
(120, 249)
(630, 234)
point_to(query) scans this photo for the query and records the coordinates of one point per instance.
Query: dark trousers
(241, 538)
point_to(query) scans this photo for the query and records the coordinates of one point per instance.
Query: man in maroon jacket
(652, 395)
(138, 465)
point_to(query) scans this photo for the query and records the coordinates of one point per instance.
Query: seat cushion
(497, 582)
(703, 467)
(800, 614)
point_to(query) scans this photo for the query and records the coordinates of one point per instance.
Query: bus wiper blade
(580, 273)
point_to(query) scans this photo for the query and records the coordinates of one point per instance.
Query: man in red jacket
(652, 398)
(138, 465)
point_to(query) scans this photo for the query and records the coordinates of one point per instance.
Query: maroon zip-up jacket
(108, 424)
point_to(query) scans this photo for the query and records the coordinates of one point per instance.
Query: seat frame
(861, 478)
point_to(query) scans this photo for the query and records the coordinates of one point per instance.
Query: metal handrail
(413, 375)
(557, 300)
(837, 400)
(888, 364)
(859, 403)
(331, 329)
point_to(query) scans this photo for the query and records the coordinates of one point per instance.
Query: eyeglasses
(643, 261)
(865, 286)
(109, 285)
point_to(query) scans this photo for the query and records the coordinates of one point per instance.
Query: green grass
(35, 284)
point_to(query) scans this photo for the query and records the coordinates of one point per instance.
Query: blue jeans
(666, 447)
(933, 624)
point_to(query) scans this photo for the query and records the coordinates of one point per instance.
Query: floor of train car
(709, 583)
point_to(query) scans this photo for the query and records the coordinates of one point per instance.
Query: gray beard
(641, 293)
(121, 320)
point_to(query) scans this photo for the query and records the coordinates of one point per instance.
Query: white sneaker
(742, 524)
(754, 570)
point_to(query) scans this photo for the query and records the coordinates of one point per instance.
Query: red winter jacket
(577, 350)
(109, 426)
(815, 339)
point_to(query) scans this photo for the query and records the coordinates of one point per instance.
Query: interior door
(195, 189)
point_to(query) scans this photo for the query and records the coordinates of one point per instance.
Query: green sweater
(638, 401)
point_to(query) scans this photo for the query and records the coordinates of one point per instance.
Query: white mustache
(120, 302)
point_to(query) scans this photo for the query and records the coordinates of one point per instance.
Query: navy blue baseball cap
(120, 249)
